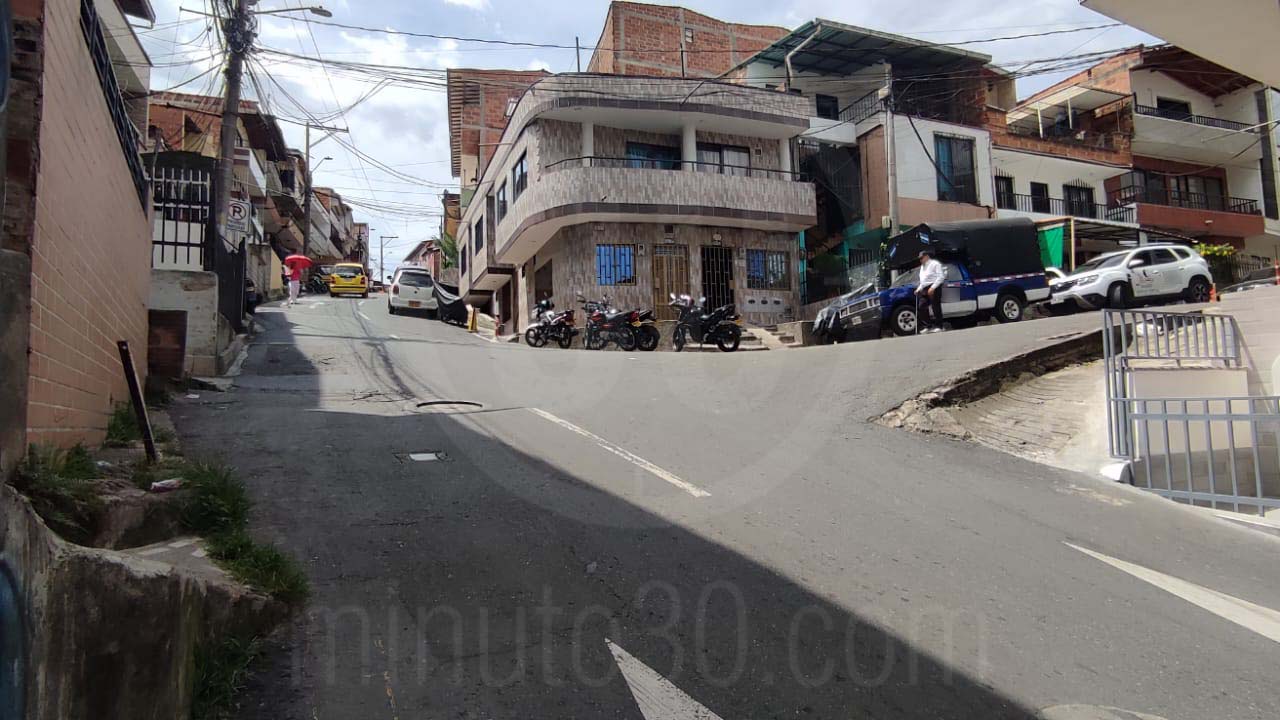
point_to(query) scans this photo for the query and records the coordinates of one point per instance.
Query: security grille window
(477, 232)
(956, 180)
(724, 159)
(519, 176)
(615, 265)
(768, 270)
(652, 157)
(462, 260)
(500, 203)
(1004, 193)
(1079, 200)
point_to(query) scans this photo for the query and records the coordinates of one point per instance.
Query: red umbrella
(297, 263)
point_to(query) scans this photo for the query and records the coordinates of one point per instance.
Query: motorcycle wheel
(728, 338)
(626, 340)
(647, 338)
(533, 337)
(678, 338)
(593, 341)
(564, 341)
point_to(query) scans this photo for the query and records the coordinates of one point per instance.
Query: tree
(449, 248)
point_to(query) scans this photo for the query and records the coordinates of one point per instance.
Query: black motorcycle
(647, 334)
(550, 325)
(695, 324)
(606, 325)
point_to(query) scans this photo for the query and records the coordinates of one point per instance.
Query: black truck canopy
(988, 247)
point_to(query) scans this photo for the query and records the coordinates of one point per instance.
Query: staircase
(751, 342)
(776, 339)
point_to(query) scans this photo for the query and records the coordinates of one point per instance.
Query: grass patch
(163, 436)
(60, 486)
(156, 397)
(221, 672)
(216, 500)
(122, 428)
(259, 565)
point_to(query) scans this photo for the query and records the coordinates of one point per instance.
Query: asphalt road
(614, 535)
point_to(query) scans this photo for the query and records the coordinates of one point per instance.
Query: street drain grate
(427, 456)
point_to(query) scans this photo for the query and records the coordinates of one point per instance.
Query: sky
(406, 130)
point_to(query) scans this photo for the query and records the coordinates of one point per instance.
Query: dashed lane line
(625, 454)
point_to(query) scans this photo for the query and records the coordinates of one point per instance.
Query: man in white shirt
(932, 275)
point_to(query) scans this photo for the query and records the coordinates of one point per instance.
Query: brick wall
(641, 39)
(90, 247)
(478, 113)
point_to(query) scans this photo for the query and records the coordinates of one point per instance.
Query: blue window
(956, 178)
(652, 157)
(615, 265)
(768, 270)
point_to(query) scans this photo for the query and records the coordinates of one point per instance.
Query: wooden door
(670, 275)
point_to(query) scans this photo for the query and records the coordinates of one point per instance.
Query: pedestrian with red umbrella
(296, 264)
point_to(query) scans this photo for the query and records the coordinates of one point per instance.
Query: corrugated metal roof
(838, 49)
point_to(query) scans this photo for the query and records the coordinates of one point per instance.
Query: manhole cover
(441, 403)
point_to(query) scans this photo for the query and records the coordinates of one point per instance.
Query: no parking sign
(238, 216)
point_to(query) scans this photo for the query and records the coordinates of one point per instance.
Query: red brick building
(76, 234)
(640, 39)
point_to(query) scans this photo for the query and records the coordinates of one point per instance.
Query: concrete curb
(922, 412)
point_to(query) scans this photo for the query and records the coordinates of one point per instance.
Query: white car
(412, 289)
(1140, 276)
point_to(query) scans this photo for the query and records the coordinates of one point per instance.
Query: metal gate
(229, 266)
(717, 276)
(670, 276)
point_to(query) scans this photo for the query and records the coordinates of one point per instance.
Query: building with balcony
(1151, 143)
(74, 256)
(637, 188)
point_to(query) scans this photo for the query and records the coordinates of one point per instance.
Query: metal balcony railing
(1188, 117)
(699, 166)
(1188, 200)
(862, 108)
(1059, 206)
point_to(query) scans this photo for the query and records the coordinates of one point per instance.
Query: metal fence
(1132, 338)
(1215, 450)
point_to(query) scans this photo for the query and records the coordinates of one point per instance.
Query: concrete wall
(1026, 168)
(90, 251)
(196, 293)
(917, 177)
(15, 324)
(1239, 106)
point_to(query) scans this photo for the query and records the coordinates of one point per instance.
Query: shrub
(61, 489)
(259, 565)
(215, 501)
(122, 428)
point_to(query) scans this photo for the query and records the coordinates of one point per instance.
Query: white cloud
(538, 64)
(473, 4)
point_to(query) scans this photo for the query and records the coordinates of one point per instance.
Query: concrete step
(786, 339)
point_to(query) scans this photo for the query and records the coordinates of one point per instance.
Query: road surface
(630, 535)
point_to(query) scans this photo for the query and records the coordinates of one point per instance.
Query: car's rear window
(347, 271)
(415, 279)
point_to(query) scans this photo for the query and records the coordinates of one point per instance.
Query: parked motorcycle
(646, 328)
(695, 324)
(317, 284)
(548, 325)
(606, 325)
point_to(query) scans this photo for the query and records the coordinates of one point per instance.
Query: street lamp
(314, 10)
(317, 167)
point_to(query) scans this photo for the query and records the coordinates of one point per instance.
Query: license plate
(855, 320)
(636, 324)
(414, 304)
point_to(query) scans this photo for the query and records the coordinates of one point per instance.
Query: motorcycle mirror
(702, 300)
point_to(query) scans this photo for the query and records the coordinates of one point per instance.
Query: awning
(1073, 98)
(839, 49)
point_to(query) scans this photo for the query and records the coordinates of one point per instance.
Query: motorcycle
(719, 326)
(605, 325)
(646, 328)
(550, 325)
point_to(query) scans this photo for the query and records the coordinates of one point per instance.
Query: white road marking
(1092, 712)
(366, 317)
(394, 337)
(1259, 619)
(656, 697)
(627, 455)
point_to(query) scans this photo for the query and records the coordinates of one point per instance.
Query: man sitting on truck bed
(932, 276)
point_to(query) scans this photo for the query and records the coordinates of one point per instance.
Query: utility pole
(382, 246)
(239, 36)
(307, 181)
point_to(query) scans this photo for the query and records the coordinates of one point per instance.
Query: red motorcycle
(606, 325)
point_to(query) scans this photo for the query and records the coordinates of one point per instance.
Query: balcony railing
(862, 108)
(1188, 117)
(1059, 206)
(699, 166)
(1188, 200)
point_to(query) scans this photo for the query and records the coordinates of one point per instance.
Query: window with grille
(478, 233)
(956, 177)
(768, 270)
(615, 265)
(500, 203)
(519, 176)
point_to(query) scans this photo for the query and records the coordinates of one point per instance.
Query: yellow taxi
(348, 279)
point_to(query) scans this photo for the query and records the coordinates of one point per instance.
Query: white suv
(412, 289)
(1143, 275)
